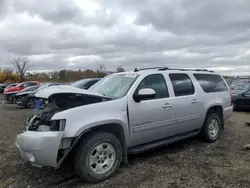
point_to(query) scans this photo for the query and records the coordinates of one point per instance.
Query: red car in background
(11, 91)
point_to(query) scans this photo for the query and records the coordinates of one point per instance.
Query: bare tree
(101, 71)
(120, 69)
(21, 65)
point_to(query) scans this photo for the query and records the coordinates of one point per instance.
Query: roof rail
(166, 68)
(148, 68)
(205, 70)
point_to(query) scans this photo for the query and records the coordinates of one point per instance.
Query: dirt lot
(189, 163)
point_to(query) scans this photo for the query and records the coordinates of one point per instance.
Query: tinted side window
(182, 84)
(157, 83)
(29, 84)
(211, 83)
(33, 84)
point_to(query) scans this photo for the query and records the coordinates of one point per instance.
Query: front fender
(82, 118)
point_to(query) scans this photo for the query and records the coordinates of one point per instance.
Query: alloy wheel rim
(102, 158)
(213, 128)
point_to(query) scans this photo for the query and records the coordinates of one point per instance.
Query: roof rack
(204, 70)
(166, 68)
(148, 68)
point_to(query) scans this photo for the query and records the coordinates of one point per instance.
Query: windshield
(79, 83)
(32, 88)
(43, 86)
(115, 86)
(241, 87)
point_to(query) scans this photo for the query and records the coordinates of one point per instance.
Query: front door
(150, 118)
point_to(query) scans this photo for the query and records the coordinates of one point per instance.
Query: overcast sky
(73, 34)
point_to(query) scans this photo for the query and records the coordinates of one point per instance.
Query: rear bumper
(7, 97)
(39, 148)
(228, 112)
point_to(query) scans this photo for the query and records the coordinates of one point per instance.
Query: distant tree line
(22, 73)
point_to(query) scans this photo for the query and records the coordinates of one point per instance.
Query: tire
(234, 106)
(30, 104)
(91, 147)
(208, 134)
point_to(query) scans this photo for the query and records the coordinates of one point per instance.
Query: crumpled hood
(49, 91)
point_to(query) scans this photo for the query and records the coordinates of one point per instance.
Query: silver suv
(121, 114)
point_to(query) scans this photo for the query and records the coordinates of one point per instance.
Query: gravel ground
(189, 163)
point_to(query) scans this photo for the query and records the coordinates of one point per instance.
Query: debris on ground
(247, 147)
(247, 124)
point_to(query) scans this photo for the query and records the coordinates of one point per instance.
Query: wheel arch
(113, 128)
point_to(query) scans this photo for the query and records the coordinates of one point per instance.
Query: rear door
(187, 105)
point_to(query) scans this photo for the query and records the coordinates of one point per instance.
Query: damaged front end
(43, 144)
(41, 120)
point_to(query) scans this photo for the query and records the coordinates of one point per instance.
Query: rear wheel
(212, 127)
(98, 157)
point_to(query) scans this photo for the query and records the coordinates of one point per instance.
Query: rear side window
(29, 84)
(182, 84)
(157, 83)
(211, 83)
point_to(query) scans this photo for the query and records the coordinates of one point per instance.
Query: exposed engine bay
(41, 120)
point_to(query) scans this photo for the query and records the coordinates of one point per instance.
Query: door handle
(167, 105)
(194, 101)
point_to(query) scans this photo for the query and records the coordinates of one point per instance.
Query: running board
(162, 142)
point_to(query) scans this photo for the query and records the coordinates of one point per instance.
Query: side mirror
(144, 94)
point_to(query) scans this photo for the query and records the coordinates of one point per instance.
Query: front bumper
(39, 148)
(21, 101)
(8, 97)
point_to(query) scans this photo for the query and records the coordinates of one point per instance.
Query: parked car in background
(242, 100)
(238, 89)
(11, 91)
(123, 113)
(6, 85)
(24, 93)
(85, 83)
(27, 99)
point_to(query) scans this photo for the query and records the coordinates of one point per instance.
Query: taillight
(231, 97)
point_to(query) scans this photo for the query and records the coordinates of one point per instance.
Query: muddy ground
(189, 163)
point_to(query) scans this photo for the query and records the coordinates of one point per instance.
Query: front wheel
(98, 157)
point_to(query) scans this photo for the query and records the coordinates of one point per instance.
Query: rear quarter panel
(222, 99)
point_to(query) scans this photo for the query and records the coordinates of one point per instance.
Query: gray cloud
(198, 17)
(64, 11)
(3, 8)
(177, 33)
